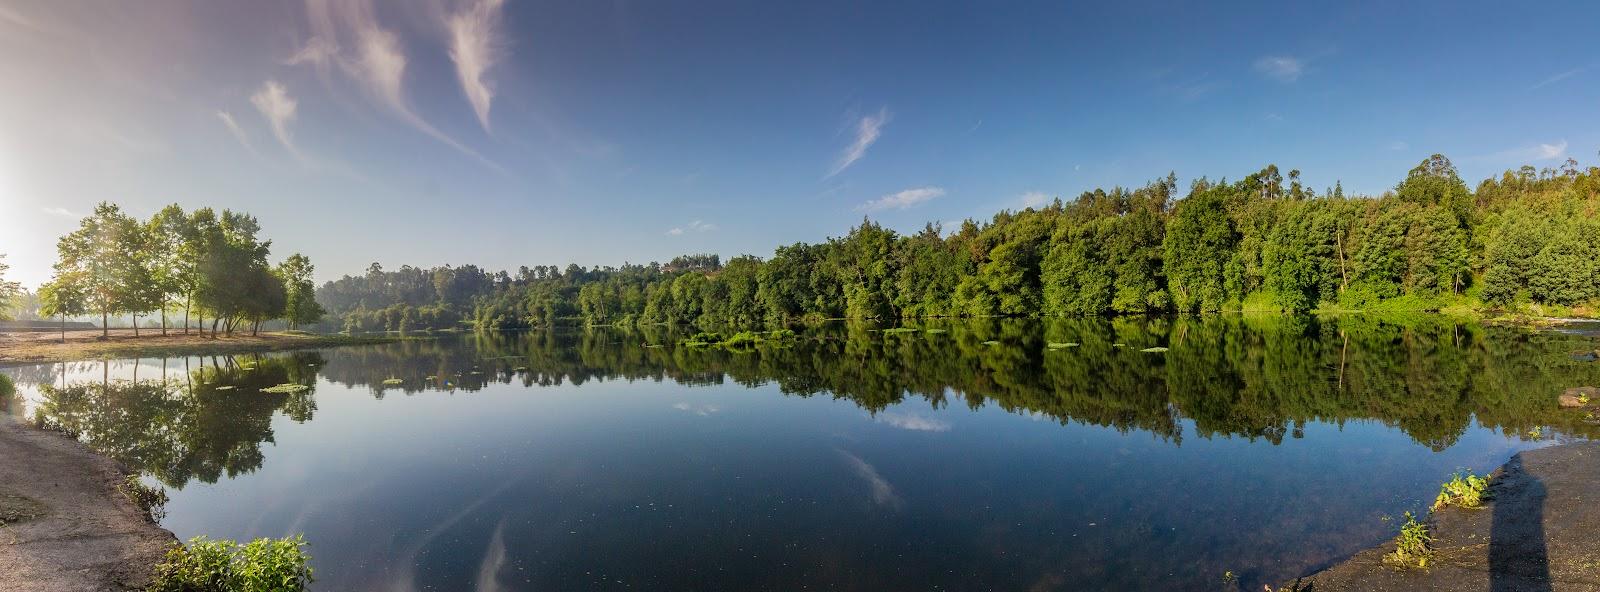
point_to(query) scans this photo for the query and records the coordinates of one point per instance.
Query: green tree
(300, 300)
(101, 258)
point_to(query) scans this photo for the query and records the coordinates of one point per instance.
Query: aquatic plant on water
(262, 565)
(395, 381)
(1463, 490)
(287, 388)
(1153, 350)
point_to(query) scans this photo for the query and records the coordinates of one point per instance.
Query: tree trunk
(105, 323)
(187, 300)
(214, 328)
(135, 326)
(163, 317)
(63, 328)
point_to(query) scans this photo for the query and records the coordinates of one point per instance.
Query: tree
(8, 290)
(300, 302)
(100, 261)
(62, 297)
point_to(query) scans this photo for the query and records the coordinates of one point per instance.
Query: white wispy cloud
(1534, 153)
(882, 491)
(695, 226)
(475, 45)
(1558, 78)
(59, 211)
(375, 59)
(1035, 199)
(238, 132)
(901, 200)
(914, 423)
(275, 104)
(1399, 145)
(868, 130)
(1282, 68)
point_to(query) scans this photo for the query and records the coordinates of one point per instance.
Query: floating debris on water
(287, 388)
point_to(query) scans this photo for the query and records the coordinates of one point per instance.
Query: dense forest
(1529, 238)
(205, 263)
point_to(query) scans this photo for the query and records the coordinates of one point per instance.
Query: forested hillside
(1529, 238)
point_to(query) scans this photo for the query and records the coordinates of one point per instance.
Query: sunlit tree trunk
(135, 326)
(105, 323)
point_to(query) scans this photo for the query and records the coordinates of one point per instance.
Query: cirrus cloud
(868, 130)
(901, 200)
(1282, 68)
(475, 46)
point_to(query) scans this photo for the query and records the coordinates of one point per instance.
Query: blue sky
(520, 132)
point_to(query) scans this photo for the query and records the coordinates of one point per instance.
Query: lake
(961, 455)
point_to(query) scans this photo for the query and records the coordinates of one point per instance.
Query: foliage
(1262, 243)
(1413, 546)
(210, 263)
(262, 565)
(8, 290)
(152, 501)
(1463, 490)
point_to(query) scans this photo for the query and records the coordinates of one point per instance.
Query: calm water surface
(971, 457)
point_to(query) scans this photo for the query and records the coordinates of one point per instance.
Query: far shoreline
(83, 344)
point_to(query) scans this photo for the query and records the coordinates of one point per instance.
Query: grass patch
(287, 388)
(151, 501)
(1463, 490)
(1413, 548)
(262, 565)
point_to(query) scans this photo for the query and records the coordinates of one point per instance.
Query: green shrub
(152, 501)
(6, 388)
(262, 565)
(1413, 547)
(1463, 490)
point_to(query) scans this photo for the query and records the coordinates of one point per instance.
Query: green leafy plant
(1413, 547)
(262, 565)
(1463, 490)
(152, 501)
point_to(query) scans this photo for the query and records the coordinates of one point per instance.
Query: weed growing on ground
(262, 565)
(152, 501)
(1463, 490)
(1413, 547)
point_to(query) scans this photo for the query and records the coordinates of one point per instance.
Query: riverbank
(88, 345)
(64, 525)
(1538, 533)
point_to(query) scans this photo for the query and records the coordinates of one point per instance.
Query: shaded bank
(1536, 535)
(65, 526)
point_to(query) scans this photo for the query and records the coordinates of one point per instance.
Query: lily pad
(393, 381)
(1154, 350)
(287, 388)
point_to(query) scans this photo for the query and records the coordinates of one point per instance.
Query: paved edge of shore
(84, 534)
(1539, 533)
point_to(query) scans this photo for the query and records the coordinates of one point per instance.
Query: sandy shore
(66, 526)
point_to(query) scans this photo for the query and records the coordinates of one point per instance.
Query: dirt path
(1541, 533)
(66, 527)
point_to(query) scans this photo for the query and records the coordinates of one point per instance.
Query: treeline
(207, 264)
(1530, 238)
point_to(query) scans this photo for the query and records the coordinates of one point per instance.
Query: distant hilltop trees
(1529, 239)
(207, 264)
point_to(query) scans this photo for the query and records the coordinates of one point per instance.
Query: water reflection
(1267, 446)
